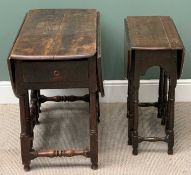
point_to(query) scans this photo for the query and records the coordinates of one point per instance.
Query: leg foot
(94, 166)
(135, 151)
(170, 151)
(170, 141)
(27, 167)
(135, 142)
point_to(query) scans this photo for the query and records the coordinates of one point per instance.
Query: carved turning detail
(60, 153)
(152, 139)
(92, 132)
(72, 98)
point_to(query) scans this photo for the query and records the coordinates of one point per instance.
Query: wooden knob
(56, 73)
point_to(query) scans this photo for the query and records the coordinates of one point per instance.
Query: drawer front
(55, 71)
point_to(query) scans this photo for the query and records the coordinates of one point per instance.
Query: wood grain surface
(152, 32)
(57, 34)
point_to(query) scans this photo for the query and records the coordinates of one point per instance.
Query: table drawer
(55, 71)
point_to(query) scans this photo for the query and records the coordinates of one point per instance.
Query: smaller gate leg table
(56, 49)
(152, 41)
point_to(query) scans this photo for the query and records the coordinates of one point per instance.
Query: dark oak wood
(155, 104)
(59, 38)
(56, 49)
(152, 41)
(154, 33)
(70, 98)
(55, 71)
(60, 153)
(34, 109)
(152, 139)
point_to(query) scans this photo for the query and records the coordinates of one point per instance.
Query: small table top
(56, 34)
(152, 32)
(148, 33)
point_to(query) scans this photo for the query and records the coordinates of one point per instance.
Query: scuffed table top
(152, 32)
(54, 34)
(156, 33)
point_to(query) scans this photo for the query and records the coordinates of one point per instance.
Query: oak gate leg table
(56, 49)
(152, 41)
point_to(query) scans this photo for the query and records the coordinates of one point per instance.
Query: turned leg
(170, 123)
(38, 101)
(93, 132)
(164, 105)
(97, 107)
(135, 102)
(25, 130)
(129, 112)
(34, 106)
(161, 95)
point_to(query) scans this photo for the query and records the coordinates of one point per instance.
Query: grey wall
(113, 13)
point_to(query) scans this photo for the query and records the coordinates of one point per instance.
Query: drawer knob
(56, 73)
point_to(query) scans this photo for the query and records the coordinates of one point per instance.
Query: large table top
(53, 34)
(152, 32)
